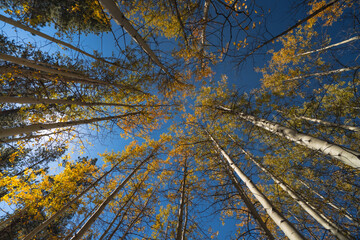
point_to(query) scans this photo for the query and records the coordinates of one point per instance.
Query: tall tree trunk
(330, 124)
(121, 209)
(179, 228)
(321, 9)
(68, 236)
(31, 100)
(138, 215)
(102, 206)
(121, 221)
(46, 223)
(203, 31)
(345, 155)
(27, 138)
(329, 46)
(119, 17)
(183, 237)
(73, 77)
(340, 209)
(248, 203)
(311, 210)
(48, 126)
(288, 229)
(320, 74)
(52, 39)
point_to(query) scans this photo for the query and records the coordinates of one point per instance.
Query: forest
(179, 119)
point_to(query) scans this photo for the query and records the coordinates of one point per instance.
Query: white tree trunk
(179, 228)
(340, 209)
(277, 217)
(345, 155)
(203, 30)
(102, 206)
(325, 123)
(120, 19)
(44, 224)
(28, 137)
(48, 126)
(36, 32)
(311, 210)
(249, 204)
(73, 77)
(31, 100)
(329, 46)
(320, 74)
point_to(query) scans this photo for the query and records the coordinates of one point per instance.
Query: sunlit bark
(102, 206)
(345, 155)
(311, 210)
(289, 230)
(49, 126)
(52, 39)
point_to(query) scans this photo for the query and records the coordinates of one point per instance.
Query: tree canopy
(192, 152)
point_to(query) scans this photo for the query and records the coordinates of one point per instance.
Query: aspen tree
(59, 188)
(52, 39)
(115, 12)
(180, 228)
(64, 208)
(71, 77)
(340, 209)
(49, 126)
(101, 207)
(330, 46)
(347, 156)
(120, 211)
(143, 208)
(311, 210)
(277, 217)
(45, 101)
(248, 203)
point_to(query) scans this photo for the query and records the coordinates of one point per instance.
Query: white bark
(138, 215)
(52, 39)
(27, 138)
(345, 155)
(325, 123)
(102, 206)
(249, 204)
(186, 219)
(129, 198)
(311, 210)
(205, 19)
(340, 209)
(329, 46)
(73, 77)
(203, 31)
(288, 229)
(179, 228)
(48, 126)
(120, 222)
(44, 224)
(31, 100)
(121, 20)
(320, 74)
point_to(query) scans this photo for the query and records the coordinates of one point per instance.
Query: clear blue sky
(244, 77)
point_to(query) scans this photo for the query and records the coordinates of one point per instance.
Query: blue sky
(243, 77)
